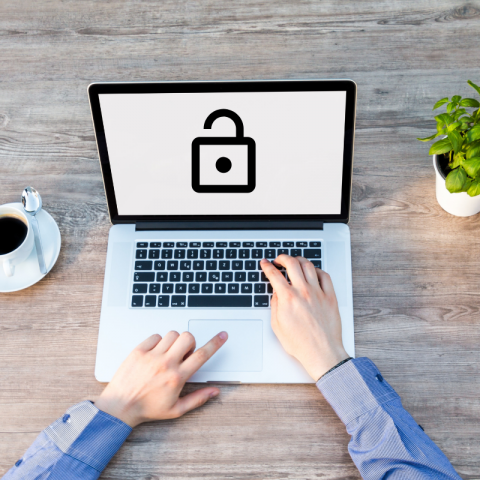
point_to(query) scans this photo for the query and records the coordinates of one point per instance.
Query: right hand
(305, 315)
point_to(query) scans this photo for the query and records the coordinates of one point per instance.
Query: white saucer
(28, 272)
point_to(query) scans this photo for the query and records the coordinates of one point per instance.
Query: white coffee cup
(22, 252)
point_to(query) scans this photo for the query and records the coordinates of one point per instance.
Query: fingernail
(263, 260)
(213, 394)
(223, 335)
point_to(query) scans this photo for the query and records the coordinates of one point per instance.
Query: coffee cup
(16, 238)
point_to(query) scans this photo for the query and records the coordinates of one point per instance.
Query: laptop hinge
(232, 225)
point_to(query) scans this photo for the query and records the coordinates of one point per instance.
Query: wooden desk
(415, 267)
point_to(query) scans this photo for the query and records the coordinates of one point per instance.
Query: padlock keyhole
(223, 165)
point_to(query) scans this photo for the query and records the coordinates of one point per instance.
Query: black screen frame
(216, 221)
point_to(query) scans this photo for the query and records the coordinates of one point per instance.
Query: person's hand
(147, 385)
(305, 315)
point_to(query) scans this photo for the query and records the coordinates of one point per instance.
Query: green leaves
(441, 102)
(469, 102)
(442, 146)
(473, 134)
(472, 166)
(473, 150)
(476, 87)
(455, 180)
(444, 118)
(456, 140)
(427, 139)
(474, 188)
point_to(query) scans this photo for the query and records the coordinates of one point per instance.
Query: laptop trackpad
(243, 351)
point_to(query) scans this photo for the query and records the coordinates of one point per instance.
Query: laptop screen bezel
(96, 89)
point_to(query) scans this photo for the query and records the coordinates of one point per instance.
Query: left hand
(147, 385)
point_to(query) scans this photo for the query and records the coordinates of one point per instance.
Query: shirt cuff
(88, 434)
(354, 388)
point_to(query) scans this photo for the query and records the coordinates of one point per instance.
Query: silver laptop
(203, 180)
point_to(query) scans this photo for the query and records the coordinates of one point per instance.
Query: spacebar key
(219, 301)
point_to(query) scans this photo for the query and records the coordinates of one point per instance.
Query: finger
(309, 271)
(198, 358)
(326, 283)
(182, 345)
(294, 270)
(149, 343)
(194, 400)
(278, 281)
(167, 341)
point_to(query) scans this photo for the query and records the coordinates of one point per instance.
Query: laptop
(203, 180)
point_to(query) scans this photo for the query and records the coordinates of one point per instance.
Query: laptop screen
(163, 161)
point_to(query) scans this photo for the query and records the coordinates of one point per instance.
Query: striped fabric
(386, 441)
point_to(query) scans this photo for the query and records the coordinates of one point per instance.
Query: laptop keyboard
(210, 274)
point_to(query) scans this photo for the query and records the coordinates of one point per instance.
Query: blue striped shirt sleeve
(386, 442)
(77, 446)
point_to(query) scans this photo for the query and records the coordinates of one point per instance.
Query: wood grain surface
(415, 267)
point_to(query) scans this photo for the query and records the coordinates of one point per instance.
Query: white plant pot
(459, 204)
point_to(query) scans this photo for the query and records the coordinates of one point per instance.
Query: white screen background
(299, 140)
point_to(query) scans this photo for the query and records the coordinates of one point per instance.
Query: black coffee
(12, 233)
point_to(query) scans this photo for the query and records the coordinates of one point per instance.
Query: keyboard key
(163, 300)
(143, 265)
(227, 276)
(231, 253)
(172, 265)
(155, 244)
(315, 244)
(185, 265)
(224, 265)
(162, 276)
(260, 244)
(207, 244)
(296, 252)
(141, 254)
(237, 265)
(270, 252)
(205, 253)
(246, 288)
(143, 277)
(221, 245)
(220, 301)
(250, 265)
(167, 288)
(150, 300)
(181, 288)
(214, 277)
(212, 265)
(257, 253)
(317, 263)
(288, 244)
(159, 265)
(234, 244)
(253, 276)
(274, 244)
(259, 288)
(179, 301)
(194, 244)
(142, 244)
(187, 277)
(154, 288)
(139, 288)
(194, 288)
(167, 253)
(179, 254)
(260, 301)
(263, 277)
(269, 288)
(174, 276)
(281, 251)
(207, 288)
(199, 265)
(192, 254)
(301, 244)
(233, 288)
(312, 253)
(220, 288)
(137, 301)
(240, 276)
(153, 254)
(201, 277)
(182, 244)
(247, 244)
(244, 253)
(218, 253)
(168, 244)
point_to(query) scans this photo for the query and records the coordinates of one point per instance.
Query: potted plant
(456, 156)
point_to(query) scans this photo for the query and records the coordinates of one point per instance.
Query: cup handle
(8, 268)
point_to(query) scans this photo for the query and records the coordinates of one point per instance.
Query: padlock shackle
(223, 112)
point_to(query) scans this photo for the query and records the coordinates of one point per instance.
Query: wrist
(116, 408)
(326, 362)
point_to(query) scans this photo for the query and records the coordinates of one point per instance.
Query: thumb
(194, 400)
